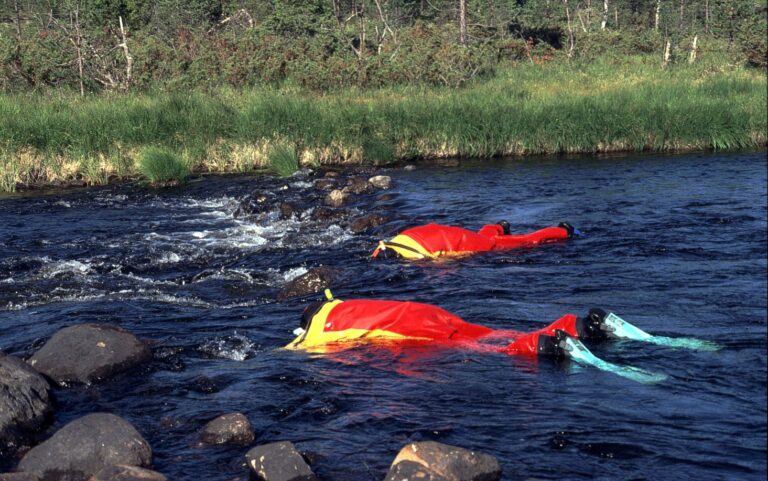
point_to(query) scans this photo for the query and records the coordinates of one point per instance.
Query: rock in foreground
(123, 472)
(89, 353)
(85, 446)
(444, 463)
(366, 222)
(19, 477)
(278, 462)
(24, 401)
(381, 181)
(233, 428)
(315, 280)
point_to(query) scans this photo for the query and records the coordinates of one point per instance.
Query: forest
(122, 45)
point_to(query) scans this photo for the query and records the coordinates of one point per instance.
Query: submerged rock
(89, 353)
(336, 198)
(325, 214)
(254, 204)
(362, 224)
(358, 185)
(315, 280)
(25, 404)
(444, 462)
(287, 210)
(85, 446)
(325, 184)
(412, 471)
(123, 472)
(381, 181)
(278, 462)
(232, 428)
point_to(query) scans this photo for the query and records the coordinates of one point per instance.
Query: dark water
(676, 245)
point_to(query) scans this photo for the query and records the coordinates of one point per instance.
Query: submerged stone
(381, 181)
(123, 472)
(89, 353)
(232, 428)
(446, 462)
(278, 462)
(315, 280)
(364, 223)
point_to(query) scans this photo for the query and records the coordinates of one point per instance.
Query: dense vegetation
(233, 85)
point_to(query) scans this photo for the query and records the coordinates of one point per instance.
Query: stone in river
(381, 181)
(315, 280)
(450, 463)
(123, 472)
(364, 223)
(278, 462)
(336, 198)
(358, 185)
(232, 428)
(86, 445)
(25, 403)
(89, 353)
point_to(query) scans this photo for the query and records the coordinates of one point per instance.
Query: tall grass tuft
(161, 165)
(282, 159)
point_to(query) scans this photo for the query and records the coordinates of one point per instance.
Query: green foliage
(282, 159)
(161, 165)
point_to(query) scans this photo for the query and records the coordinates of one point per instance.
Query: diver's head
(591, 326)
(384, 252)
(309, 313)
(569, 228)
(504, 226)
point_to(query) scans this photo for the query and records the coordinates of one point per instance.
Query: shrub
(283, 160)
(160, 165)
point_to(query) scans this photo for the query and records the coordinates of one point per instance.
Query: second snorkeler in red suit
(434, 240)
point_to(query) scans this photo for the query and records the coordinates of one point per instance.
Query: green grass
(160, 165)
(526, 109)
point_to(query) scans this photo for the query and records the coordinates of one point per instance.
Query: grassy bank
(525, 109)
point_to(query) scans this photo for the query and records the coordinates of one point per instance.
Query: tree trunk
(605, 15)
(706, 16)
(462, 22)
(18, 20)
(128, 56)
(667, 52)
(682, 15)
(79, 48)
(692, 58)
(658, 15)
(571, 41)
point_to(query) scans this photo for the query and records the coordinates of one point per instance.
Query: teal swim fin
(579, 353)
(618, 327)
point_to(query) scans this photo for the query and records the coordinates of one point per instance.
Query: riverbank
(526, 109)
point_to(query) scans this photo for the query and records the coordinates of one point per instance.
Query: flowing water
(675, 244)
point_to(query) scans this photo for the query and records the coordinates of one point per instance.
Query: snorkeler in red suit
(434, 240)
(336, 325)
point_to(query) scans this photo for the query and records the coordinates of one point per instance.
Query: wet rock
(412, 471)
(362, 224)
(287, 210)
(254, 204)
(25, 404)
(449, 463)
(89, 353)
(331, 173)
(315, 280)
(409, 168)
(324, 214)
(381, 181)
(85, 446)
(386, 197)
(123, 472)
(358, 185)
(336, 198)
(233, 428)
(19, 477)
(278, 462)
(325, 184)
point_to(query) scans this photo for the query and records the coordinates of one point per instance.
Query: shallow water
(674, 244)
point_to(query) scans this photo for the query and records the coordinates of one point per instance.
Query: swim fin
(578, 352)
(618, 327)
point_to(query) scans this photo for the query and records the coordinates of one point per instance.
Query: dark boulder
(278, 462)
(315, 280)
(254, 204)
(123, 472)
(287, 210)
(366, 222)
(358, 185)
(19, 477)
(449, 463)
(89, 353)
(25, 404)
(85, 446)
(325, 184)
(233, 428)
(326, 214)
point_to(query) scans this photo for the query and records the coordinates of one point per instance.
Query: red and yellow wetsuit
(435, 240)
(340, 324)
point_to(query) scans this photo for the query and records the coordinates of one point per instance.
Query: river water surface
(674, 244)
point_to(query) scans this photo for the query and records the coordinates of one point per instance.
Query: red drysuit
(435, 240)
(337, 323)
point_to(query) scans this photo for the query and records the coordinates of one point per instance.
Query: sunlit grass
(528, 109)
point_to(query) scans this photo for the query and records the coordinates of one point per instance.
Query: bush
(283, 160)
(161, 166)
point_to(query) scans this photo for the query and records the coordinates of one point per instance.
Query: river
(675, 244)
